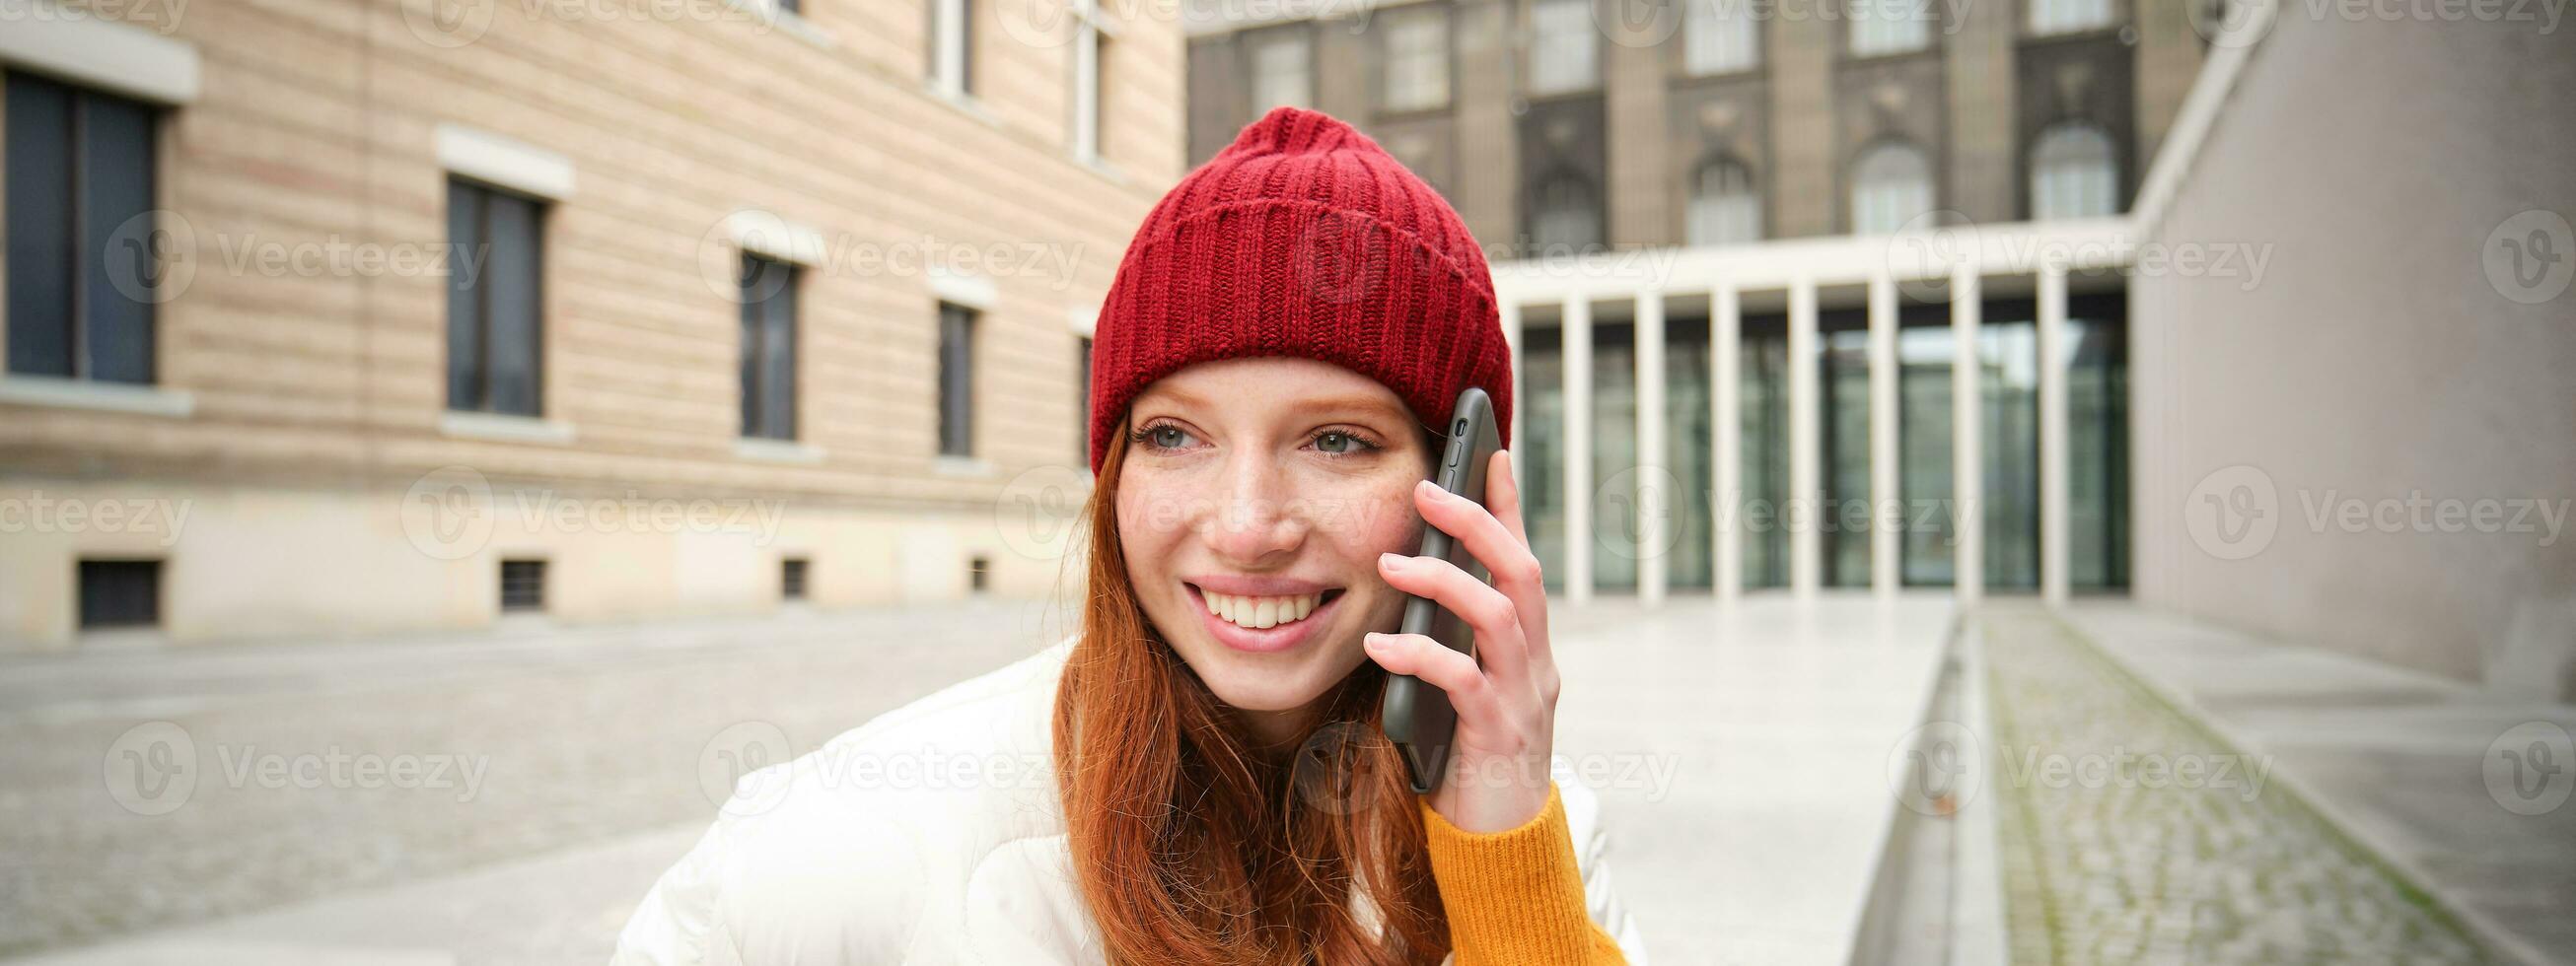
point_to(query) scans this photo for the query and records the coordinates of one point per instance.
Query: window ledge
(964, 102)
(1098, 165)
(505, 428)
(114, 397)
(776, 450)
(963, 466)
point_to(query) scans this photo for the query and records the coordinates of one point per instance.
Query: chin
(1271, 682)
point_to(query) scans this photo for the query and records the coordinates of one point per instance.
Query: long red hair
(1193, 845)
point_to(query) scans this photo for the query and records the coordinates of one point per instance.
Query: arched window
(1888, 26)
(2068, 16)
(1724, 207)
(2073, 173)
(1722, 36)
(1565, 214)
(1891, 185)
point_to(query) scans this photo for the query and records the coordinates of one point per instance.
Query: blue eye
(1161, 436)
(1334, 442)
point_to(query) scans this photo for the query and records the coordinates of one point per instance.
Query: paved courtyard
(2131, 834)
(1739, 759)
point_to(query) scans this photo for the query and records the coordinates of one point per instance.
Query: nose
(1254, 520)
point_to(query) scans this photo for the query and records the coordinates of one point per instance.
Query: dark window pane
(778, 359)
(1082, 397)
(124, 248)
(120, 593)
(752, 308)
(514, 304)
(40, 226)
(791, 578)
(956, 380)
(768, 357)
(523, 585)
(466, 256)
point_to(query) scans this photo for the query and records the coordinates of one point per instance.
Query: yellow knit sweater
(1515, 897)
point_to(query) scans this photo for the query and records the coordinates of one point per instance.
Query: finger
(1453, 672)
(1503, 500)
(1505, 556)
(1498, 631)
(1503, 495)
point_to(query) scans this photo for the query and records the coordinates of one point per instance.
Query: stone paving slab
(2133, 834)
(2465, 790)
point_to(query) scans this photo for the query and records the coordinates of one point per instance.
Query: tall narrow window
(1416, 58)
(956, 380)
(1891, 185)
(1722, 36)
(952, 46)
(1090, 57)
(2068, 16)
(1082, 395)
(1565, 47)
(1888, 26)
(85, 254)
(1565, 215)
(494, 306)
(1724, 208)
(2073, 173)
(1282, 71)
(768, 348)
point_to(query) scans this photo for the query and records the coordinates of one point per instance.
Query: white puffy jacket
(930, 835)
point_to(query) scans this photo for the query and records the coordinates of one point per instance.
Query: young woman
(1197, 776)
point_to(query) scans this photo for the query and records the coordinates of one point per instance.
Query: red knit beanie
(1303, 238)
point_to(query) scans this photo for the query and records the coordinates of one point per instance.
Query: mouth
(1263, 623)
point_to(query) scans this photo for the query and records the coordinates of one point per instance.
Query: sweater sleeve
(1515, 897)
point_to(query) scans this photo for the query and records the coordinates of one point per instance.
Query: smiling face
(1253, 502)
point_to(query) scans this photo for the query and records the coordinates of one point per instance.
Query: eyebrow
(1329, 404)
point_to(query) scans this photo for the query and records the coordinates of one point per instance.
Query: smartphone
(1416, 714)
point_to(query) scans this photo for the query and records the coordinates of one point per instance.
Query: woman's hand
(1497, 774)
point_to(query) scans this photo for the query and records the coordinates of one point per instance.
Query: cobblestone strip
(2132, 835)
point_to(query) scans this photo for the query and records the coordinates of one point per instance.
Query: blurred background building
(1902, 383)
(403, 322)
(1748, 244)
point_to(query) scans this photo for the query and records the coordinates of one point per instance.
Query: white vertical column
(2052, 434)
(1511, 321)
(1654, 502)
(1801, 510)
(1967, 412)
(1577, 333)
(1886, 515)
(1726, 501)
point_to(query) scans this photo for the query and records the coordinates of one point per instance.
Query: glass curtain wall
(1763, 407)
(1689, 452)
(1843, 398)
(1614, 457)
(1541, 457)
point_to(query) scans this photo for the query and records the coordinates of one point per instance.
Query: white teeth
(1243, 610)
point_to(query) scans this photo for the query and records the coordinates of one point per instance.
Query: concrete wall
(2373, 359)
